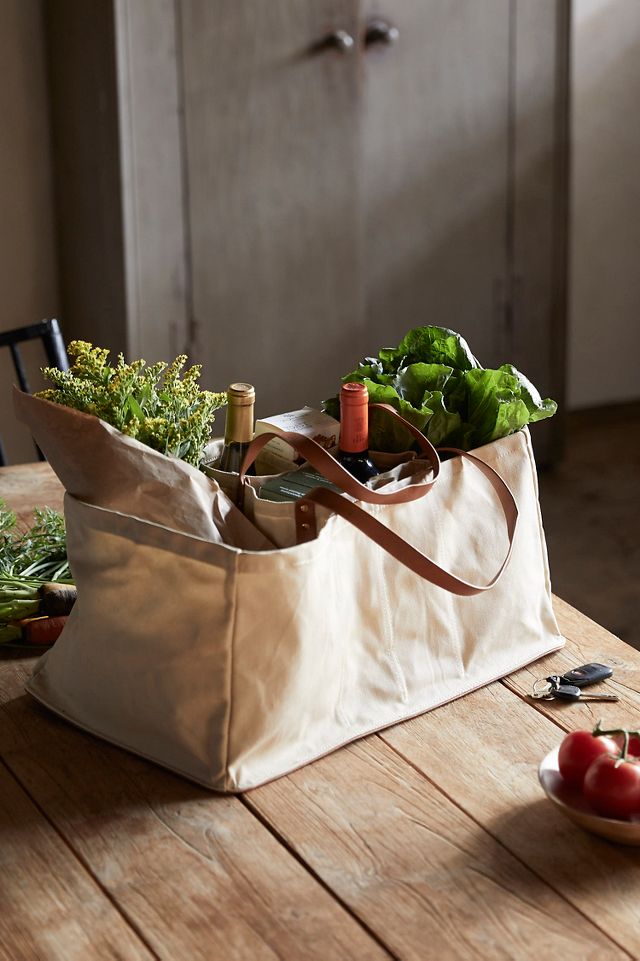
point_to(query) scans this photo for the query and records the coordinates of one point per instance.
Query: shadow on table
(565, 856)
(87, 787)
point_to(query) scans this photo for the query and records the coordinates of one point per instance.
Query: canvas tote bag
(233, 666)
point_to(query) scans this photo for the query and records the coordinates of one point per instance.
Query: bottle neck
(239, 426)
(354, 428)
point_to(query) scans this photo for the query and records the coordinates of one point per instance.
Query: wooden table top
(430, 840)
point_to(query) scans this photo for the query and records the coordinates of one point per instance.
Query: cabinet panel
(541, 93)
(435, 170)
(271, 172)
(152, 187)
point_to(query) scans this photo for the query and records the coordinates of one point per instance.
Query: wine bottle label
(279, 456)
(293, 485)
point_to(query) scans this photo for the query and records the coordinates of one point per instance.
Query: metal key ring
(540, 692)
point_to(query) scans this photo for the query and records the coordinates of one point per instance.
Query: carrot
(42, 630)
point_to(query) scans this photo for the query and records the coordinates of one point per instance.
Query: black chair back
(48, 331)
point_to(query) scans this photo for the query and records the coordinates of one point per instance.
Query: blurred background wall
(590, 499)
(604, 317)
(28, 254)
(604, 228)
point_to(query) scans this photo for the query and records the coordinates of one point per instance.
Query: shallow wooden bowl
(574, 806)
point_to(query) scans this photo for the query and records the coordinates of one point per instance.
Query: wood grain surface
(52, 906)
(410, 862)
(196, 872)
(26, 486)
(432, 839)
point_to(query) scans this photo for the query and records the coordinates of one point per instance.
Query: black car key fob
(587, 674)
(566, 692)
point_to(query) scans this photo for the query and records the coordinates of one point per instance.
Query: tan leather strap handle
(404, 552)
(335, 472)
(389, 541)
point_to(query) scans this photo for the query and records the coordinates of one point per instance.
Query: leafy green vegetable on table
(436, 383)
(39, 551)
(155, 404)
(29, 558)
(19, 598)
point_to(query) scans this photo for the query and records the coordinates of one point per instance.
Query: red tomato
(612, 787)
(634, 744)
(578, 751)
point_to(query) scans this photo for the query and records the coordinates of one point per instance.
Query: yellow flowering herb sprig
(155, 404)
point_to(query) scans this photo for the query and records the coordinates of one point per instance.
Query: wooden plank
(484, 751)
(27, 485)
(197, 873)
(586, 641)
(51, 907)
(19, 724)
(511, 736)
(412, 865)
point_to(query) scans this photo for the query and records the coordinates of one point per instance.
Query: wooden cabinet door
(270, 167)
(435, 170)
(332, 200)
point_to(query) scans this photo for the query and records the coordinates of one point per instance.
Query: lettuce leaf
(436, 383)
(537, 407)
(431, 345)
(495, 405)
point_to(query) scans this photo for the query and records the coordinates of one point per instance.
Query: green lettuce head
(436, 383)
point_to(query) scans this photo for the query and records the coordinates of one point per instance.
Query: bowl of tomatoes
(594, 778)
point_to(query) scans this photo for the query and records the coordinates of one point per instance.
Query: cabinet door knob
(380, 31)
(336, 40)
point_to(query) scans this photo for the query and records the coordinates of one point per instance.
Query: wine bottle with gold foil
(238, 431)
(353, 453)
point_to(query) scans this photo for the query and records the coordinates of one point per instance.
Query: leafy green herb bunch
(158, 404)
(30, 557)
(39, 551)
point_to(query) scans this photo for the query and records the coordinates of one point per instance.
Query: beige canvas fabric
(102, 466)
(234, 666)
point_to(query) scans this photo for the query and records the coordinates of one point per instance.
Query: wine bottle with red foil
(238, 431)
(353, 453)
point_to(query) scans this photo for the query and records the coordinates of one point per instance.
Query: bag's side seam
(541, 538)
(232, 637)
